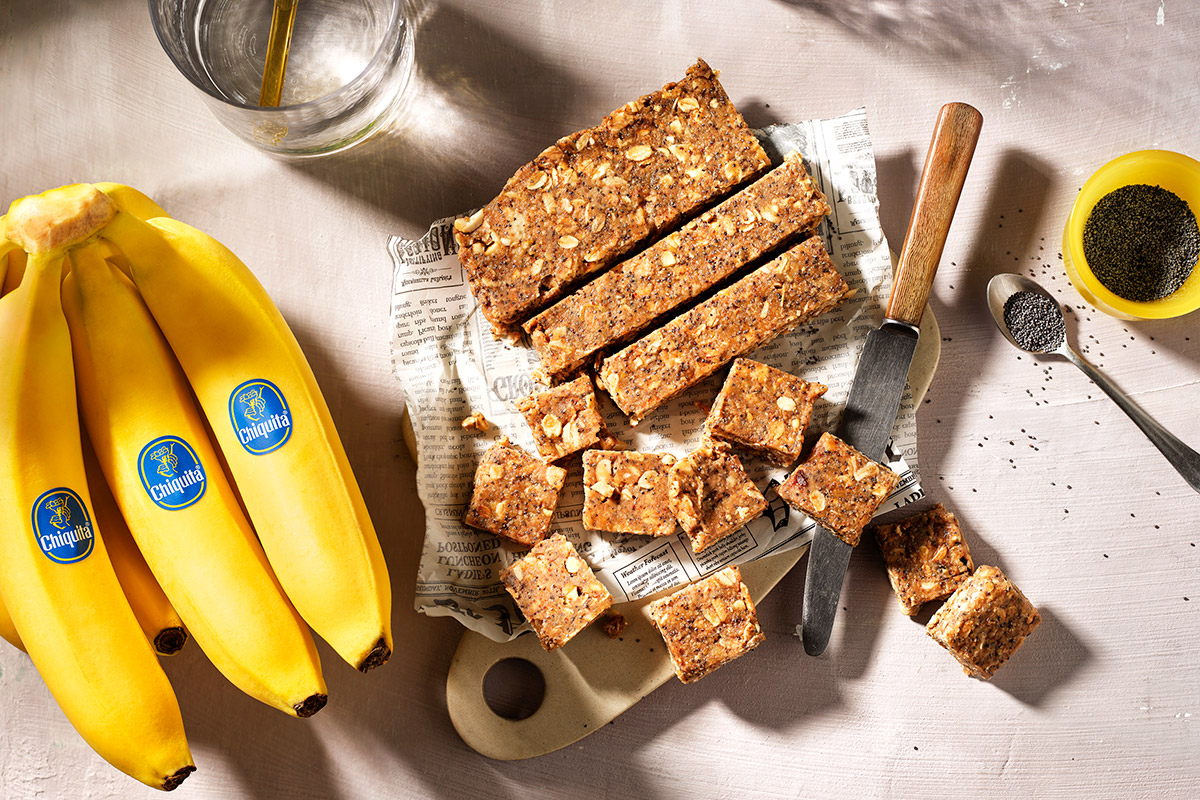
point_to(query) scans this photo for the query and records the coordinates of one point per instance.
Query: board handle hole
(514, 688)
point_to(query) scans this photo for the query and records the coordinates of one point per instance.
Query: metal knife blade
(883, 364)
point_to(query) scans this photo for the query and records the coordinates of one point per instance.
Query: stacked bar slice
(625, 300)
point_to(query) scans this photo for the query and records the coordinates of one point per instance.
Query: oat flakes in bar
(595, 195)
(763, 411)
(838, 487)
(984, 622)
(799, 285)
(926, 557)
(626, 492)
(707, 624)
(624, 301)
(515, 494)
(556, 591)
(564, 419)
(711, 495)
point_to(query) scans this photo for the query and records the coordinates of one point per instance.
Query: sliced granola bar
(984, 622)
(564, 419)
(764, 411)
(626, 492)
(838, 487)
(707, 624)
(594, 195)
(799, 285)
(556, 591)
(711, 494)
(628, 298)
(926, 557)
(515, 494)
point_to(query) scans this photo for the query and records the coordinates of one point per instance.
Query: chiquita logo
(260, 416)
(62, 526)
(171, 473)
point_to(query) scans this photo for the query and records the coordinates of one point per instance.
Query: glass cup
(348, 64)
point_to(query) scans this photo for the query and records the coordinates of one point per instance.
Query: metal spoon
(1183, 458)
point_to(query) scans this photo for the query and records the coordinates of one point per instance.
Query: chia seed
(1141, 242)
(1034, 322)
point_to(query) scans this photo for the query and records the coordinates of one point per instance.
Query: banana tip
(170, 641)
(377, 657)
(311, 705)
(180, 775)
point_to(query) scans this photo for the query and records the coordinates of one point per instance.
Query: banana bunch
(209, 494)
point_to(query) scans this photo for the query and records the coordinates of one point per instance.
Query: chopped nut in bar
(799, 285)
(595, 195)
(556, 591)
(984, 622)
(515, 494)
(838, 487)
(764, 411)
(624, 301)
(626, 492)
(711, 494)
(707, 623)
(564, 419)
(926, 557)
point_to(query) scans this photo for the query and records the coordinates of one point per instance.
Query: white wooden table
(1051, 481)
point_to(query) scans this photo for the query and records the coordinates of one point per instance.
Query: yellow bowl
(1172, 171)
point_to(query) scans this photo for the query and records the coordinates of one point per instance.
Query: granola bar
(594, 195)
(707, 624)
(711, 495)
(838, 487)
(626, 492)
(626, 299)
(515, 494)
(764, 411)
(984, 622)
(556, 591)
(799, 285)
(926, 557)
(564, 419)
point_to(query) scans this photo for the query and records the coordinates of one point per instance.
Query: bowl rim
(1096, 187)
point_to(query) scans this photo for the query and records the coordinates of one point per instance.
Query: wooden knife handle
(942, 179)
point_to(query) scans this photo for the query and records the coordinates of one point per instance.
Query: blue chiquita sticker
(171, 473)
(260, 416)
(62, 526)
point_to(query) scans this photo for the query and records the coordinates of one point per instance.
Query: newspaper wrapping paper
(450, 365)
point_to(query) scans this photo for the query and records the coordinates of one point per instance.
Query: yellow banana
(159, 620)
(184, 516)
(273, 427)
(8, 631)
(153, 610)
(55, 575)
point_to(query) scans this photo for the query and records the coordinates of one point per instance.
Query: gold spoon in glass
(283, 18)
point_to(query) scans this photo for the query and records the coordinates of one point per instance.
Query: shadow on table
(478, 105)
(1049, 658)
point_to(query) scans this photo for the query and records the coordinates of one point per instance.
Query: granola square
(984, 622)
(627, 492)
(926, 556)
(838, 487)
(564, 419)
(711, 494)
(515, 494)
(764, 411)
(556, 591)
(707, 623)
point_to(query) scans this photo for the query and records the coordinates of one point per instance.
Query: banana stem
(283, 18)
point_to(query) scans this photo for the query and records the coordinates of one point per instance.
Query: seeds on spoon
(1035, 322)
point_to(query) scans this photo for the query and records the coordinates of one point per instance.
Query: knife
(883, 365)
